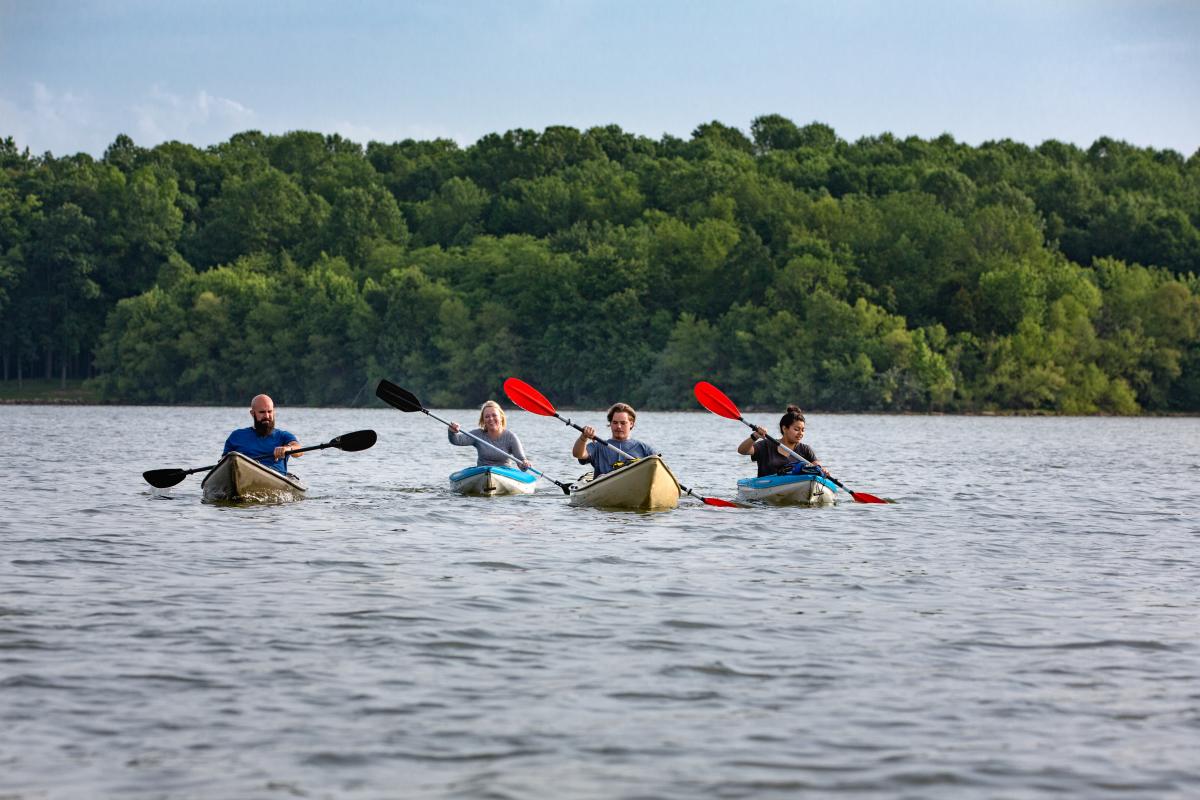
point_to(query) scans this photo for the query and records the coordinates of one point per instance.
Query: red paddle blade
(863, 497)
(528, 397)
(716, 501)
(715, 401)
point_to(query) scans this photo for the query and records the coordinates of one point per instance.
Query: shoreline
(66, 401)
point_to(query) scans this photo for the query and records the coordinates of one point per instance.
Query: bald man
(262, 441)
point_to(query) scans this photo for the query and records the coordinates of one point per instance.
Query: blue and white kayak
(492, 481)
(789, 490)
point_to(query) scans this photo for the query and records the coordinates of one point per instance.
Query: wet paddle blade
(353, 442)
(711, 501)
(163, 478)
(396, 397)
(716, 501)
(863, 497)
(715, 401)
(528, 397)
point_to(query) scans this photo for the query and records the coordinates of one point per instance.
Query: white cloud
(59, 122)
(65, 122)
(201, 119)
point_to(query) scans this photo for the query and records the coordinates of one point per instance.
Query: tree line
(784, 264)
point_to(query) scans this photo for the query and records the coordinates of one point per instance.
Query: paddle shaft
(712, 501)
(403, 400)
(262, 460)
(353, 442)
(715, 401)
(209, 468)
(533, 401)
(595, 438)
(507, 455)
(298, 450)
(778, 443)
(801, 458)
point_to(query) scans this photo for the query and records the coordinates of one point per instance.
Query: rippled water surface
(1024, 622)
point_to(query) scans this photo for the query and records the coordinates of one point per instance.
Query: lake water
(1024, 622)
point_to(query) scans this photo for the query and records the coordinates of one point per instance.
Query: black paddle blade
(163, 478)
(353, 442)
(396, 397)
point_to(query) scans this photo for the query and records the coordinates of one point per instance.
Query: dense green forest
(784, 265)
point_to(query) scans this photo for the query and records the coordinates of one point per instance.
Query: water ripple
(995, 634)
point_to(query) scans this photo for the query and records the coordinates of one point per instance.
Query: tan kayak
(240, 479)
(645, 485)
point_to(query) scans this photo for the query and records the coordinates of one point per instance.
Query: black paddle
(350, 442)
(396, 397)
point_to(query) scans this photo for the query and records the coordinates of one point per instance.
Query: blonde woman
(492, 429)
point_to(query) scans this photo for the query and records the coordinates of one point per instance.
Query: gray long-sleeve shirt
(506, 441)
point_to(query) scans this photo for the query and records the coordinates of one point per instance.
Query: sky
(74, 75)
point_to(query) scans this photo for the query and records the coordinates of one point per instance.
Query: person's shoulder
(237, 438)
(285, 436)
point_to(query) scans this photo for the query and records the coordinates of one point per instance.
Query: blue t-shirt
(602, 457)
(260, 448)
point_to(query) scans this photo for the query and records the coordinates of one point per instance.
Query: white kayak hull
(492, 481)
(240, 479)
(789, 490)
(644, 485)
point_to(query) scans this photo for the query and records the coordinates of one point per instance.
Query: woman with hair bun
(772, 459)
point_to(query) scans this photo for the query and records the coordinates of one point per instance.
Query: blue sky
(73, 75)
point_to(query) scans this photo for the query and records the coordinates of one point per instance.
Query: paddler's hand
(283, 450)
(454, 427)
(525, 465)
(579, 449)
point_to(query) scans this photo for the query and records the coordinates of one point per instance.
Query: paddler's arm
(518, 452)
(580, 449)
(746, 447)
(458, 437)
(284, 449)
(808, 453)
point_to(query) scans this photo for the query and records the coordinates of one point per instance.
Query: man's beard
(264, 427)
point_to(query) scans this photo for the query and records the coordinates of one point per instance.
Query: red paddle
(535, 402)
(715, 401)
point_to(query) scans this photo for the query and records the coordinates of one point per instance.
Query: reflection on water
(1021, 624)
